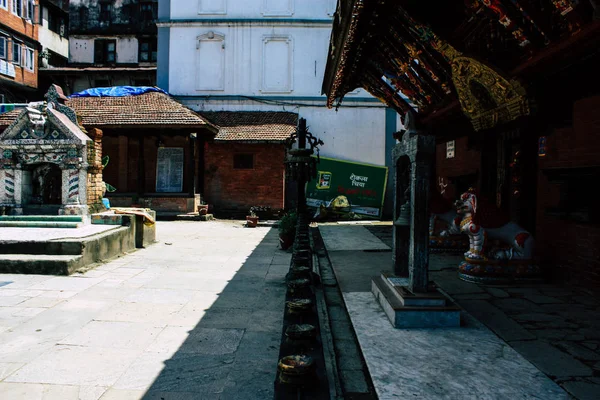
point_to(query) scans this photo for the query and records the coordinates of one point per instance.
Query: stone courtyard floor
(198, 315)
(556, 328)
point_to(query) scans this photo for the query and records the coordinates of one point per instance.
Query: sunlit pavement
(197, 315)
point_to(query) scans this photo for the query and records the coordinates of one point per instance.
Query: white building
(267, 55)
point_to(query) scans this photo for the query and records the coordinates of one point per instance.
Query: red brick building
(511, 93)
(19, 49)
(164, 156)
(244, 164)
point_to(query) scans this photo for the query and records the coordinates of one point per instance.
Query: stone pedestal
(406, 309)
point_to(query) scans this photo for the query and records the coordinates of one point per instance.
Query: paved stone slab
(115, 335)
(350, 237)
(583, 390)
(73, 365)
(140, 312)
(496, 320)
(551, 360)
(465, 360)
(203, 374)
(354, 269)
(449, 282)
(149, 320)
(578, 351)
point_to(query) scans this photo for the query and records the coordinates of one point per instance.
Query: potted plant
(252, 219)
(287, 229)
(203, 208)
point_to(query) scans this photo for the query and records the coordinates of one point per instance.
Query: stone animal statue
(484, 223)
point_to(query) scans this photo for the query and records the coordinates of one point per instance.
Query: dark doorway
(46, 184)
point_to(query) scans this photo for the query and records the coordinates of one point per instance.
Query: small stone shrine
(407, 296)
(47, 161)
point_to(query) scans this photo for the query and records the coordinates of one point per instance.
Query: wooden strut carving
(486, 97)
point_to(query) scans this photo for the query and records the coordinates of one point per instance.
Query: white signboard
(450, 149)
(7, 68)
(169, 170)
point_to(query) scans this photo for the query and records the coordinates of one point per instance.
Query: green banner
(362, 184)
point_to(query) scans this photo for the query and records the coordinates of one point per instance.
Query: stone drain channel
(350, 376)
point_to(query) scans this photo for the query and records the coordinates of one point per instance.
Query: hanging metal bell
(404, 217)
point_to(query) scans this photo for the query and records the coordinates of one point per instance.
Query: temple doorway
(42, 184)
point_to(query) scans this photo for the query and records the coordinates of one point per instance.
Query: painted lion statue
(484, 224)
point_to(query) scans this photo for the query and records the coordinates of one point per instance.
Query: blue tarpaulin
(117, 91)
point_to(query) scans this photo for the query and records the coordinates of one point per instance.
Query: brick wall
(465, 162)
(570, 249)
(240, 189)
(95, 184)
(24, 29)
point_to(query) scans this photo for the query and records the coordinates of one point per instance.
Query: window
(243, 161)
(17, 7)
(3, 50)
(105, 12)
(22, 8)
(147, 50)
(28, 58)
(4, 4)
(55, 23)
(29, 10)
(105, 51)
(148, 11)
(16, 53)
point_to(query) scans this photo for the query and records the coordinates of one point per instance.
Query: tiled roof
(148, 109)
(7, 118)
(249, 126)
(151, 108)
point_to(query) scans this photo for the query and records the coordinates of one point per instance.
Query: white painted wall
(356, 132)
(81, 49)
(295, 49)
(127, 50)
(297, 9)
(253, 59)
(51, 40)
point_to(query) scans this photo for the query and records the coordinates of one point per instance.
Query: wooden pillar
(201, 158)
(123, 163)
(141, 189)
(191, 165)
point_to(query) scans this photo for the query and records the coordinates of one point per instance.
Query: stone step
(45, 218)
(40, 264)
(50, 247)
(404, 316)
(39, 224)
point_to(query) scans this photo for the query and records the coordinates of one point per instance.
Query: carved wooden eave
(401, 49)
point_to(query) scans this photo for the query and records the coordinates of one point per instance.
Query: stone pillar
(13, 185)
(418, 253)
(400, 234)
(412, 243)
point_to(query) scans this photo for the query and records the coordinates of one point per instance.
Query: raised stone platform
(413, 310)
(62, 251)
